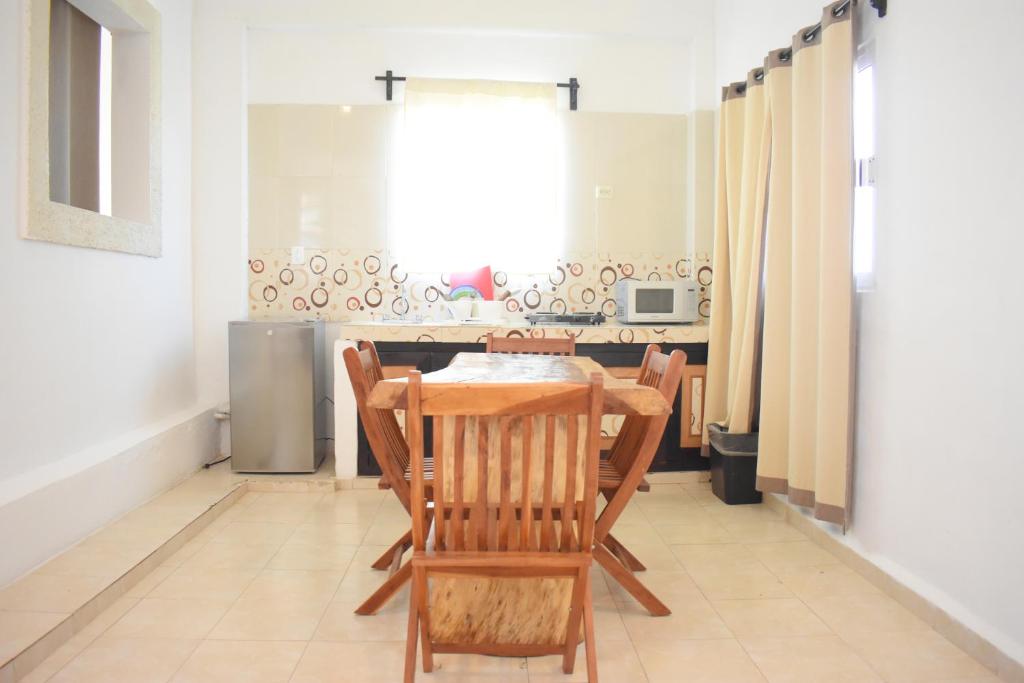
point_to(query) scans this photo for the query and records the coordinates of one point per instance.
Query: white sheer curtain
(474, 177)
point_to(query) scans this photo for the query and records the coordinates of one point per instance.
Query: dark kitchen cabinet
(400, 357)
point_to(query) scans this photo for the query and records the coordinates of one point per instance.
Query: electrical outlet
(603, 192)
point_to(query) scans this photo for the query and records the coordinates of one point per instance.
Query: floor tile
(468, 668)
(261, 619)
(809, 659)
(204, 584)
(229, 661)
(329, 534)
(161, 618)
(866, 613)
(655, 556)
(615, 663)
(692, 619)
(780, 617)
(231, 556)
(762, 531)
(255, 533)
(696, 661)
(739, 582)
(714, 556)
(278, 585)
(632, 534)
(139, 660)
(702, 529)
(341, 623)
(351, 663)
(812, 583)
(669, 587)
(915, 656)
(789, 555)
(313, 556)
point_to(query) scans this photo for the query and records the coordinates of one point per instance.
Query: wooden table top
(621, 396)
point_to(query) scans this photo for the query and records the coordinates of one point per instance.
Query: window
(475, 178)
(864, 210)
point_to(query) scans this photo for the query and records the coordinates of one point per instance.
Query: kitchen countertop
(452, 331)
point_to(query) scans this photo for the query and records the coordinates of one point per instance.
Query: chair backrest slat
(544, 346)
(526, 542)
(439, 472)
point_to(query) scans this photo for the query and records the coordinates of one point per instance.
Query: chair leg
(620, 551)
(588, 633)
(626, 579)
(387, 590)
(572, 630)
(385, 560)
(411, 636)
(420, 582)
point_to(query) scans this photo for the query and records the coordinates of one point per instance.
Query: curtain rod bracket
(388, 78)
(573, 85)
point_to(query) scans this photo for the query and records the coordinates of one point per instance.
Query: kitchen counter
(450, 331)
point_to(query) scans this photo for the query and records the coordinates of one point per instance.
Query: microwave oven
(656, 301)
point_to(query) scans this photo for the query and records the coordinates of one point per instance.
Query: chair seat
(610, 478)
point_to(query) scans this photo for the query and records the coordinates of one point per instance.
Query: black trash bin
(733, 466)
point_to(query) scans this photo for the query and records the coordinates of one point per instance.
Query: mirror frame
(49, 221)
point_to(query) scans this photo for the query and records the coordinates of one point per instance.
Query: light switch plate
(603, 192)
(298, 255)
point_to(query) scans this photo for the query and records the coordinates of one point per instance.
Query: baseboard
(47, 512)
(968, 640)
(31, 657)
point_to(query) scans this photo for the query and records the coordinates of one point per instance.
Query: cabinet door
(691, 418)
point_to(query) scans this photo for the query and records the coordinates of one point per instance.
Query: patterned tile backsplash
(349, 286)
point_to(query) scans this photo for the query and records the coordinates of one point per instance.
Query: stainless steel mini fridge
(278, 395)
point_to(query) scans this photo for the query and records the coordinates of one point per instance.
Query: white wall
(938, 463)
(616, 73)
(747, 30)
(96, 345)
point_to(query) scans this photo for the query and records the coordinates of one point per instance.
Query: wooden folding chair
(622, 474)
(545, 346)
(392, 454)
(513, 497)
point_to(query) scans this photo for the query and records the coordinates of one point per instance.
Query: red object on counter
(476, 283)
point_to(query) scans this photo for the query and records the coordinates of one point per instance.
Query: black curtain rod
(882, 7)
(389, 78)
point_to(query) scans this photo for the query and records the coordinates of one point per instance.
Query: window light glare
(106, 92)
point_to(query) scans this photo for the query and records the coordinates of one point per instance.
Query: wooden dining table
(525, 601)
(621, 396)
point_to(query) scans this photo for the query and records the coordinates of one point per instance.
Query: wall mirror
(92, 129)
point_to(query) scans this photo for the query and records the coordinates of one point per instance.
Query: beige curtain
(806, 354)
(744, 150)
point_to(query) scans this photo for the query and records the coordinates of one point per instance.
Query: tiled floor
(267, 593)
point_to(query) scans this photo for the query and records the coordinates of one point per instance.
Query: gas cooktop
(565, 318)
